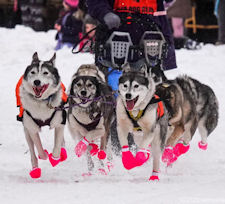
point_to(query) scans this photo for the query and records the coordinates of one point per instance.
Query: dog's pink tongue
(38, 90)
(130, 105)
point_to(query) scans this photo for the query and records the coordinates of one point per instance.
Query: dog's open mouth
(131, 103)
(39, 90)
(84, 100)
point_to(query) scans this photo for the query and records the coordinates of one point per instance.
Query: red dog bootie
(154, 176)
(94, 149)
(168, 155)
(202, 145)
(81, 147)
(35, 173)
(101, 154)
(142, 156)
(63, 154)
(128, 159)
(181, 148)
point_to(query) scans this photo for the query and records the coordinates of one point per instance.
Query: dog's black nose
(83, 93)
(37, 82)
(128, 96)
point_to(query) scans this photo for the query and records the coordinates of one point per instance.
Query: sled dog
(191, 105)
(91, 112)
(38, 90)
(140, 112)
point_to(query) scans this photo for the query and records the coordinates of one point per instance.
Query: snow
(197, 177)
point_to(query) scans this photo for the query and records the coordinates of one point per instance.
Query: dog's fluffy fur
(136, 90)
(88, 83)
(41, 89)
(191, 105)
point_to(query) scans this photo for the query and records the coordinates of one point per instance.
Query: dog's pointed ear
(144, 70)
(52, 60)
(35, 57)
(126, 68)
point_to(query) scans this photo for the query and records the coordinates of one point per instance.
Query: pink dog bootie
(35, 173)
(154, 176)
(94, 149)
(181, 148)
(81, 147)
(101, 154)
(168, 155)
(128, 159)
(54, 161)
(142, 156)
(63, 154)
(202, 145)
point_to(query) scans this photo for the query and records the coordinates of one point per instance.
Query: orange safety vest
(18, 100)
(136, 6)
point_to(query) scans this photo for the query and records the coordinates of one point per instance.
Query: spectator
(69, 25)
(33, 14)
(178, 12)
(220, 13)
(88, 24)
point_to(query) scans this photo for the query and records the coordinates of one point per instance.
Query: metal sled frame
(153, 48)
(119, 48)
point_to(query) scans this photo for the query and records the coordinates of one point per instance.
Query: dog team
(154, 117)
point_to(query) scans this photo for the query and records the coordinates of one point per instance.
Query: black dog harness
(42, 123)
(92, 125)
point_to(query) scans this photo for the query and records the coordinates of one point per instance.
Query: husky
(191, 105)
(39, 90)
(140, 112)
(91, 112)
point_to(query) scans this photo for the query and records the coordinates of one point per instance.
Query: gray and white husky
(191, 105)
(91, 112)
(140, 112)
(41, 90)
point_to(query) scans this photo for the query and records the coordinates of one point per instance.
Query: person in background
(88, 24)
(111, 12)
(34, 14)
(177, 13)
(220, 14)
(68, 25)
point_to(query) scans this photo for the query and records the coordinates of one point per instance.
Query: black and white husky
(91, 112)
(140, 112)
(41, 89)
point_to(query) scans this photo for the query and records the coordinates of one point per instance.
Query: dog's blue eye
(45, 73)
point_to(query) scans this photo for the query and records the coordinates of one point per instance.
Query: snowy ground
(198, 177)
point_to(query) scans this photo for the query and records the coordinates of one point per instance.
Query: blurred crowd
(192, 21)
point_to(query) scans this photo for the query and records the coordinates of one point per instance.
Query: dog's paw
(180, 148)
(81, 147)
(101, 154)
(202, 145)
(129, 162)
(63, 154)
(54, 161)
(142, 156)
(168, 155)
(94, 149)
(35, 173)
